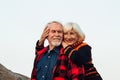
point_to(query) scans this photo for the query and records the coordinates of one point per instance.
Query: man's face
(55, 34)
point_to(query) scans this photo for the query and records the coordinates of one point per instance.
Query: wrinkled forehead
(55, 26)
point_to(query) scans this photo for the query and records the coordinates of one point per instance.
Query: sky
(22, 22)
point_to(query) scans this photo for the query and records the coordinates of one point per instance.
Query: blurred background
(22, 22)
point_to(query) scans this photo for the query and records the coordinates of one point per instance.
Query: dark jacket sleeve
(80, 56)
(39, 47)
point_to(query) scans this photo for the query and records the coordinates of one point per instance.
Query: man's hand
(44, 36)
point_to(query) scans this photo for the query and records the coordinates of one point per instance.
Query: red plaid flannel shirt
(64, 68)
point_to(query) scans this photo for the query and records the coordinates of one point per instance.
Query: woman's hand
(64, 44)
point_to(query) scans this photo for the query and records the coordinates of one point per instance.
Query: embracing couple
(67, 56)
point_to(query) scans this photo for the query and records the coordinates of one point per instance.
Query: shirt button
(43, 76)
(48, 56)
(45, 66)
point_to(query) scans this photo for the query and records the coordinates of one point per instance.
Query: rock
(6, 74)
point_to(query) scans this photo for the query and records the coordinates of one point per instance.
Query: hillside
(6, 74)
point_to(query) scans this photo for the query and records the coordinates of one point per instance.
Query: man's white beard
(54, 43)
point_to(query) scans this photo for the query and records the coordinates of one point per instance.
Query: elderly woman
(79, 51)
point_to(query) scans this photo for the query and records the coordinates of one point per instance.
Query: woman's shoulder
(83, 45)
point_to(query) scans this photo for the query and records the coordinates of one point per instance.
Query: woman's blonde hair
(76, 28)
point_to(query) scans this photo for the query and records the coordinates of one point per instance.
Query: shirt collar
(56, 49)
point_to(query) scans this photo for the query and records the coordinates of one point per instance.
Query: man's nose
(56, 33)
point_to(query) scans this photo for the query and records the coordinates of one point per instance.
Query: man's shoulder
(41, 51)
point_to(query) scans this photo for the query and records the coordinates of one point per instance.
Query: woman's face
(70, 37)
